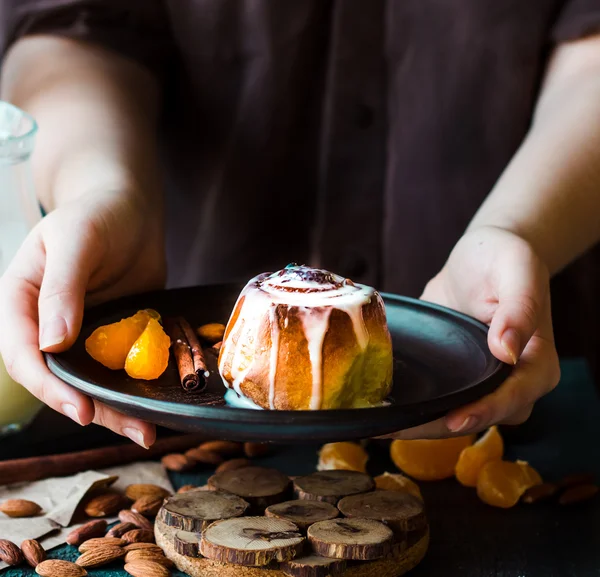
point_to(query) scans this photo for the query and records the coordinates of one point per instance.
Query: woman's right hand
(97, 247)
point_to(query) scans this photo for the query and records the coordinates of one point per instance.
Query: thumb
(62, 292)
(522, 294)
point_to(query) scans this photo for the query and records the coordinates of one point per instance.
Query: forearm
(97, 118)
(550, 192)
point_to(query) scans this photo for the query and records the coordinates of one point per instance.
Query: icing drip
(238, 369)
(315, 323)
(274, 353)
(313, 294)
(358, 323)
(240, 402)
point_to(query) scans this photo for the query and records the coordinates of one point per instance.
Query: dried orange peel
(137, 344)
(345, 455)
(429, 459)
(489, 447)
(501, 483)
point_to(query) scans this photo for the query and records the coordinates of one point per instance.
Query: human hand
(496, 277)
(99, 247)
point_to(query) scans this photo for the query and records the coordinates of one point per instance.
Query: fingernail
(465, 425)
(54, 332)
(136, 436)
(71, 412)
(511, 343)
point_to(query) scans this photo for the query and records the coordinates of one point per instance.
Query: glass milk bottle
(19, 212)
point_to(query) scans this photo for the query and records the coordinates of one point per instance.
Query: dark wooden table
(469, 538)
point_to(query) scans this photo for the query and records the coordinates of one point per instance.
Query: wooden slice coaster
(313, 566)
(258, 486)
(251, 541)
(187, 543)
(400, 511)
(397, 563)
(302, 513)
(331, 486)
(353, 539)
(195, 510)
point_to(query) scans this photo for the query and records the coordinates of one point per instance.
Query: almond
(143, 568)
(254, 450)
(104, 505)
(139, 536)
(101, 542)
(139, 490)
(145, 546)
(129, 516)
(20, 508)
(148, 555)
(539, 493)
(58, 568)
(100, 556)
(10, 553)
(203, 456)
(576, 479)
(186, 488)
(90, 530)
(224, 448)
(578, 494)
(148, 506)
(233, 464)
(120, 529)
(177, 462)
(33, 552)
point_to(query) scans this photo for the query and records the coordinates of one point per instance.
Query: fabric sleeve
(136, 29)
(577, 19)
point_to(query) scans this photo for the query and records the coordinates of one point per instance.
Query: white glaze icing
(315, 323)
(274, 353)
(239, 402)
(313, 294)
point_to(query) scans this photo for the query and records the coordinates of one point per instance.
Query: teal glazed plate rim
(441, 362)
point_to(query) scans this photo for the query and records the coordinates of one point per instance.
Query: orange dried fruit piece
(489, 447)
(152, 313)
(501, 483)
(110, 344)
(531, 475)
(429, 459)
(398, 482)
(347, 456)
(149, 356)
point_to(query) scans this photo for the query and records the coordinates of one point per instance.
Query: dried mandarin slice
(531, 475)
(346, 456)
(110, 344)
(398, 482)
(429, 459)
(149, 355)
(489, 447)
(501, 483)
(151, 313)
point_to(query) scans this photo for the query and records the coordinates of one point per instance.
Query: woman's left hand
(495, 276)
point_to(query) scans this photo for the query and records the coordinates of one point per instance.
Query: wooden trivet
(390, 538)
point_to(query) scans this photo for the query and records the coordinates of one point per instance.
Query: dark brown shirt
(361, 135)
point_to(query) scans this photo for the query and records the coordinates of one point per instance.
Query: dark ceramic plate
(442, 361)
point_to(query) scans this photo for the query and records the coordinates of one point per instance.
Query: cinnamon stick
(36, 468)
(200, 367)
(190, 381)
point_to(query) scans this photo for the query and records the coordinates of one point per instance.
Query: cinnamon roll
(306, 339)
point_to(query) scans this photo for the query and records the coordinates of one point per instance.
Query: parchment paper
(60, 497)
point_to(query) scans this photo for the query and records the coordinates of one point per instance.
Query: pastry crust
(303, 339)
